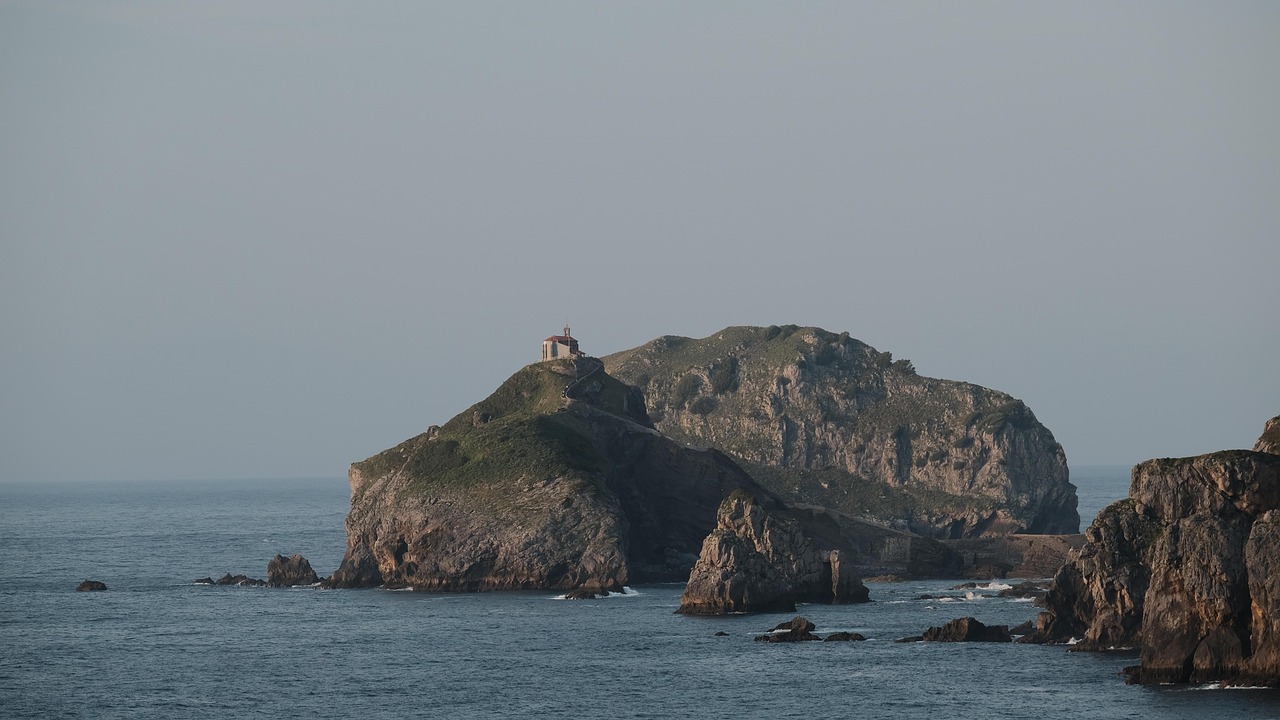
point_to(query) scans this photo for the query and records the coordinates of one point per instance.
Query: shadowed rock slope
(827, 420)
(1187, 569)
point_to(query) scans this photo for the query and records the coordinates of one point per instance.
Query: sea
(155, 645)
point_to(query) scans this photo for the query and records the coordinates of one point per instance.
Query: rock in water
(287, 572)
(1187, 568)
(824, 419)
(91, 586)
(967, 630)
(797, 629)
(762, 560)
(239, 580)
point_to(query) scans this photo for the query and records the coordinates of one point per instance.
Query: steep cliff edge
(827, 420)
(1187, 568)
(557, 480)
(1270, 440)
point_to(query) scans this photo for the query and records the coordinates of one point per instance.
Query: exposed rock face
(762, 560)
(290, 571)
(1015, 556)
(563, 485)
(825, 419)
(91, 586)
(1187, 568)
(1270, 440)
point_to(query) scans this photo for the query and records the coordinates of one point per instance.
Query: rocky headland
(823, 419)
(1187, 569)
(556, 481)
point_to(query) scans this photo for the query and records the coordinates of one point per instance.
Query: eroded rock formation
(1187, 568)
(824, 419)
(290, 571)
(761, 559)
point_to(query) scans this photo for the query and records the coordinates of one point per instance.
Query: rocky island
(562, 479)
(1187, 569)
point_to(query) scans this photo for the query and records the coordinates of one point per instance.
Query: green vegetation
(686, 389)
(1012, 412)
(703, 405)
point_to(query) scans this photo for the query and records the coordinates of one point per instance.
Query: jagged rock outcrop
(760, 559)
(290, 571)
(1187, 568)
(1270, 440)
(824, 419)
(556, 481)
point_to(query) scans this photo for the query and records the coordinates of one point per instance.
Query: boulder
(581, 595)
(844, 637)
(91, 586)
(203, 581)
(290, 571)
(967, 629)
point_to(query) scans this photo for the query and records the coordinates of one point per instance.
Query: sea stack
(1187, 569)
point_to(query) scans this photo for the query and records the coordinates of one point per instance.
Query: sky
(256, 240)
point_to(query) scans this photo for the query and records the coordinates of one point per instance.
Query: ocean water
(156, 645)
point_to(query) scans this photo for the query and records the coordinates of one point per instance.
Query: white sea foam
(994, 585)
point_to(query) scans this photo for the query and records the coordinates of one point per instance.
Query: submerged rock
(1187, 569)
(290, 571)
(240, 580)
(844, 637)
(91, 586)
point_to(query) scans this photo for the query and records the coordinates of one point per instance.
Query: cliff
(1187, 569)
(557, 480)
(827, 420)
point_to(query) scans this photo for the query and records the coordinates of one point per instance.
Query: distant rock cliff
(1187, 568)
(557, 480)
(825, 419)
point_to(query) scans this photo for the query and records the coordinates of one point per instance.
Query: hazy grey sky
(269, 239)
